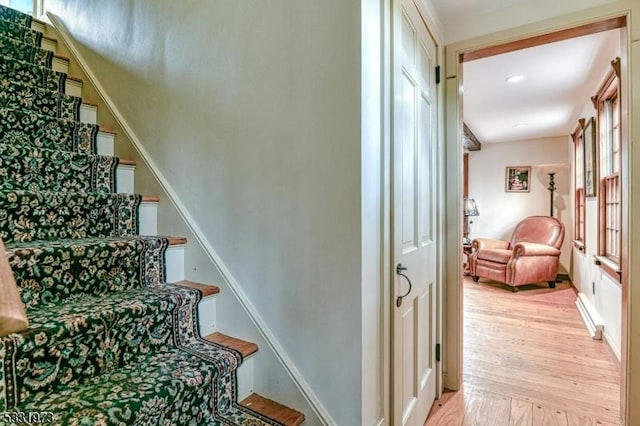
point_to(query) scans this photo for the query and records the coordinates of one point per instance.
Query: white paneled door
(414, 197)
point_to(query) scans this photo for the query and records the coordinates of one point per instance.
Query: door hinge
(438, 74)
(437, 352)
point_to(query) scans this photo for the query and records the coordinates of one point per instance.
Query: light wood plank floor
(528, 360)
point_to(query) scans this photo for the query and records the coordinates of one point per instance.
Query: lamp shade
(470, 207)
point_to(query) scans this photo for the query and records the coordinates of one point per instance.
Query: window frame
(610, 225)
(579, 222)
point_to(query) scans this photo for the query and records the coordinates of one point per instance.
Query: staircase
(110, 341)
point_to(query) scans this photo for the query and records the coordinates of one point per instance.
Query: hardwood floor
(528, 360)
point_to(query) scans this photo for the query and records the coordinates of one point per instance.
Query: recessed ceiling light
(514, 78)
(521, 125)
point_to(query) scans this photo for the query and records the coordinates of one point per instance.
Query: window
(578, 157)
(607, 101)
(25, 6)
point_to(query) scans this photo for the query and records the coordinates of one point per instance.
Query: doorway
(454, 90)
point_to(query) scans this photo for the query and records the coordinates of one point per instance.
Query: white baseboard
(590, 317)
(277, 348)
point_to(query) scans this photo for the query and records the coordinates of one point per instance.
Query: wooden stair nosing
(177, 241)
(150, 199)
(125, 162)
(245, 348)
(106, 130)
(72, 78)
(206, 289)
(273, 410)
(63, 58)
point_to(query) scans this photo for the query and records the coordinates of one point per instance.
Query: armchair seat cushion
(495, 255)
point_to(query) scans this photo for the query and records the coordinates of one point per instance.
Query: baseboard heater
(590, 317)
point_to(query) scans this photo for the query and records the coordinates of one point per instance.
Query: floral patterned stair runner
(109, 341)
(20, 31)
(39, 169)
(25, 72)
(15, 95)
(22, 51)
(28, 128)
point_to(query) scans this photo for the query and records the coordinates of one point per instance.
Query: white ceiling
(559, 77)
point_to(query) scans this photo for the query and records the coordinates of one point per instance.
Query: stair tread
(50, 272)
(17, 31)
(147, 387)
(150, 199)
(19, 95)
(244, 347)
(105, 330)
(16, 70)
(274, 410)
(30, 168)
(55, 315)
(126, 162)
(86, 241)
(42, 215)
(26, 52)
(206, 289)
(177, 241)
(23, 126)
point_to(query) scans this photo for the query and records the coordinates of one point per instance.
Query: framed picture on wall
(590, 165)
(518, 179)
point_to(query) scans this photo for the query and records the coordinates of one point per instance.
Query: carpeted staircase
(109, 341)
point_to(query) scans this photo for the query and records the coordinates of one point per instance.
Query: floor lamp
(552, 189)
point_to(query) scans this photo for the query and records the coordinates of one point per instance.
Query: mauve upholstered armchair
(531, 256)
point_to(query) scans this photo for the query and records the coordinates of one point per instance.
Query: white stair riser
(105, 144)
(89, 114)
(38, 26)
(125, 175)
(148, 218)
(245, 378)
(47, 44)
(207, 316)
(60, 65)
(174, 263)
(73, 88)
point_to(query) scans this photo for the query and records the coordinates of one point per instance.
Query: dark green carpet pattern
(109, 341)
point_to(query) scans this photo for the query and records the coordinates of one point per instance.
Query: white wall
(251, 110)
(501, 211)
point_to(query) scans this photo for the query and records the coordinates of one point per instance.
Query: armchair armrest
(533, 249)
(489, 243)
